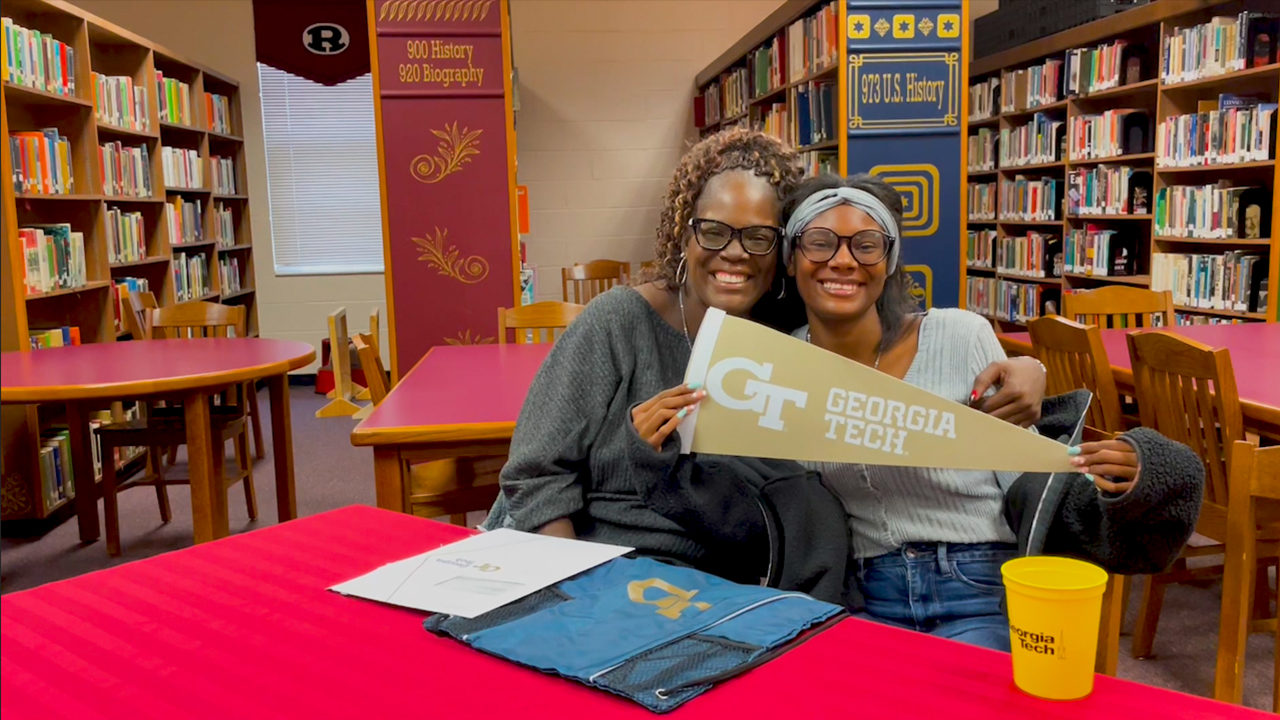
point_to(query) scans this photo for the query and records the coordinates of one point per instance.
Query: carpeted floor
(331, 473)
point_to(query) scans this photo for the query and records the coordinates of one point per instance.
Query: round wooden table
(87, 376)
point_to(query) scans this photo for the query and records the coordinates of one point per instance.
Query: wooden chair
(164, 427)
(1075, 358)
(1253, 532)
(450, 487)
(1119, 306)
(1186, 392)
(536, 323)
(591, 279)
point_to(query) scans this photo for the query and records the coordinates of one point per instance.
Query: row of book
(733, 92)
(57, 478)
(1233, 129)
(1180, 318)
(118, 101)
(1103, 67)
(814, 162)
(53, 258)
(191, 279)
(981, 249)
(1108, 190)
(1099, 251)
(766, 67)
(984, 150)
(126, 236)
(42, 163)
(174, 98)
(184, 220)
(183, 168)
(1031, 199)
(984, 99)
(224, 226)
(120, 289)
(982, 201)
(1032, 87)
(224, 174)
(708, 106)
(229, 274)
(813, 113)
(1231, 281)
(1039, 141)
(1120, 131)
(37, 60)
(218, 110)
(1034, 255)
(45, 338)
(125, 170)
(1213, 212)
(1227, 43)
(1010, 300)
(773, 122)
(814, 43)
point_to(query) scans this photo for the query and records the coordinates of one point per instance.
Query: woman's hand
(656, 418)
(1115, 459)
(1021, 382)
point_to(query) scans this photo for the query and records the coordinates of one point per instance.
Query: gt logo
(326, 39)
(761, 396)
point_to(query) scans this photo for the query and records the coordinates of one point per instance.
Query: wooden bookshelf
(105, 48)
(1148, 26)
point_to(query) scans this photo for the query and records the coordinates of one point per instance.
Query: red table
(1255, 357)
(244, 628)
(86, 376)
(458, 401)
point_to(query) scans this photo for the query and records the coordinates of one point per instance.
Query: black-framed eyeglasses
(868, 247)
(715, 235)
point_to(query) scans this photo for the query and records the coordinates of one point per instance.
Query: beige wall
(605, 90)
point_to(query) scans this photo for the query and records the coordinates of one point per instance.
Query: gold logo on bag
(676, 600)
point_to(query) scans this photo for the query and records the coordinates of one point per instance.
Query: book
(38, 60)
(42, 163)
(182, 168)
(54, 258)
(125, 170)
(126, 236)
(120, 103)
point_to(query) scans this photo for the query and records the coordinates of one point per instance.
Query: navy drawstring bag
(652, 632)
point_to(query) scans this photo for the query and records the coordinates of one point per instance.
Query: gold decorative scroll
(465, 338)
(14, 499)
(455, 150)
(435, 10)
(469, 270)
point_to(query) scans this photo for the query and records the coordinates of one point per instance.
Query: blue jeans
(949, 590)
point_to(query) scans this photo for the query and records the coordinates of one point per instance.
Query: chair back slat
(1075, 359)
(138, 315)
(1263, 469)
(1119, 306)
(583, 282)
(375, 375)
(542, 322)
(1187, 392)
(198, 320)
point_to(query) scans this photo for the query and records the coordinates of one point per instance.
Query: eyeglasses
(869, 247)
(715, 235)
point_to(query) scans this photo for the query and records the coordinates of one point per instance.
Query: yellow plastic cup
(1055, 605)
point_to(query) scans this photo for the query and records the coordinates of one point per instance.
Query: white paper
(483, 572)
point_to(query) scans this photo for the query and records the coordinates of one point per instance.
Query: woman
(926, 543)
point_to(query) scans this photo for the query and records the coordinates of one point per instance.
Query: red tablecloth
(243, 628)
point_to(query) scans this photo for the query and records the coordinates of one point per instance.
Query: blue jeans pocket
(980, 573)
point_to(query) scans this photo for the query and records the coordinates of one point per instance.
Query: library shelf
(214, 134)
(139, 263)
(233, 248)
(983, 221)
(1221, 313)
(83, 197)
(1226, 242)
(1122, 216)
(980, 173)
(193, 245)
(1035, 166)
(1139, 280)
(735, 118)
(220, 196)
(994, 120)
(131, 199)
(973, 268)
(1027, 279)
(1218, 167)
(87, 287)
(1225, 79)
(824, 145)
(166, 125)
(201, 191)
(237, 293)
(1021, 114)
(32, 96)
(1144, 158)
(781, 90)
(1138, 88)
(203, 298)
(815, 75)
(109, 129)
(1028, 222)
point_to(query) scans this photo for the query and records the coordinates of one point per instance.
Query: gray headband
(824, 200)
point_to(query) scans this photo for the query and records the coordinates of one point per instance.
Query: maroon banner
(325, 41)
(441, 79)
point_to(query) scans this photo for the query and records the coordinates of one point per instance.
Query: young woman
(927, 544)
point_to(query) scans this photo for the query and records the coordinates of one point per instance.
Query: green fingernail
(1073, 450)
(695, 385)
(1091, 478)
(683, 412)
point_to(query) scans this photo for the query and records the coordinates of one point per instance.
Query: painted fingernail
(694, 385)
(1077, 461)
(683, 412)
(973, 396)
(700, 394)
(1073, 450)
(1091, 478)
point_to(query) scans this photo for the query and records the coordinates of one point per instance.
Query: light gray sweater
(890, 506)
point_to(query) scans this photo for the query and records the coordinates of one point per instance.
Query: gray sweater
(569, 454)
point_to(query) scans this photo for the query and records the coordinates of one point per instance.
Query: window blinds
(322, 174)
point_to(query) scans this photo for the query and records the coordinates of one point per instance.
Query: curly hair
(896, 303)
(734, 149)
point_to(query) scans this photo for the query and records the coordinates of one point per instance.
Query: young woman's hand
(656, 418)
(1021, 381)
(1114, 459)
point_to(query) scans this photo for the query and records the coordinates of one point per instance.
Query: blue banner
(906, 79)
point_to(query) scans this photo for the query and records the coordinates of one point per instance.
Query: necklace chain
(683, 320)
(808, 337)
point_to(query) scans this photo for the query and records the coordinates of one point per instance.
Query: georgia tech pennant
(771, 395)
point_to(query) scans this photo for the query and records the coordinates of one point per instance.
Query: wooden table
(1255, 357)
(458, 401)
(244, 628)
(87, 376)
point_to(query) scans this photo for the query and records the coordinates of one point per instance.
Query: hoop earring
(682, 271)
(783, 292)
